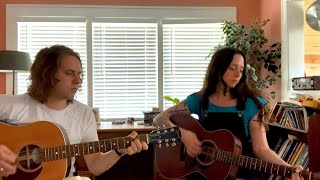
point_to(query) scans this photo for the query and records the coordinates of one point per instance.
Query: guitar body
(173, 162)
(24, 138)
(43, 153)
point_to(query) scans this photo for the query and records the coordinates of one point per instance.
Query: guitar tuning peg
(167, 144)
(158, 127)
(173, 139)
(165, 131)
(174, 144)
(159, 141)
(164, 125)
(159, 145)
(166, 140)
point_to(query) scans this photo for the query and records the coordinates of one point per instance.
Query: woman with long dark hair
(226, 102)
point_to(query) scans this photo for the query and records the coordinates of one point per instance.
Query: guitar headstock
(165, 136)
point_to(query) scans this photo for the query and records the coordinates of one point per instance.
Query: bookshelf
(301, 137)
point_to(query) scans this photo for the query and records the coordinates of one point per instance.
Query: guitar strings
(217, 153)
(73, 149)
(227, 156)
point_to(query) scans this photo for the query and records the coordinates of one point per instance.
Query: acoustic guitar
(219, 159)
(43, 152)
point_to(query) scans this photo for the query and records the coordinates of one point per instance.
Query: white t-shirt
(77, 119)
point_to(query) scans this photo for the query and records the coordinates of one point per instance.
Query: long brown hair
(44, 68)
(218, 65)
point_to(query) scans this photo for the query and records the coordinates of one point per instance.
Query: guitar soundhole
(30, 158)
(207, 154)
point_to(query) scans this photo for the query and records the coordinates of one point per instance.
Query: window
(185, 51)
(33, 36)
(124, 68)
(132, 56)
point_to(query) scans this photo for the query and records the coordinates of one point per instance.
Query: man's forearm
(101, 162)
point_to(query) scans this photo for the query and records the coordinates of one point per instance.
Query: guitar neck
(256, 164)
(74, 150)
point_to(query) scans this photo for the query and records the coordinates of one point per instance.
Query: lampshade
(14, 60)
(313, 15)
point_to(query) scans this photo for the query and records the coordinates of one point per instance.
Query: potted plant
(253, 43)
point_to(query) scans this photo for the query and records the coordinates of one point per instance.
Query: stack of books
(289, 115)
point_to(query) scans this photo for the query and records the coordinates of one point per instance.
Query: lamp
(13, 61)
(313, 15)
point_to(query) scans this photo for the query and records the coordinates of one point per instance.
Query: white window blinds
(132, 56)
(185, 48)
(33, 36)
(124, 68)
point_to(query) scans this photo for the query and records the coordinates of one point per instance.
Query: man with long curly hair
(56, 76)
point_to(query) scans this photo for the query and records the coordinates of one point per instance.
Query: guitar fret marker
(79, 149)
(45, 153)
(82, 149)
(255, 165)
(99, 146)
(51, 154)
(118, 143)
(260, 166)
(247, 162)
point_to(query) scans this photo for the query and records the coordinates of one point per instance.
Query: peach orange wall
(247, 9)
(271, 9)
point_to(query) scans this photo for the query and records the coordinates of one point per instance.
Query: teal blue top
(250, 110)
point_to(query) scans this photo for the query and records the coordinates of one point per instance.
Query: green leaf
(273, 94)
(175, 101)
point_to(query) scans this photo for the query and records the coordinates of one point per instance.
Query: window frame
(17, 12)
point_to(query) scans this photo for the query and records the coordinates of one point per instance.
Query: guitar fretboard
(253, 163)
(74, 150)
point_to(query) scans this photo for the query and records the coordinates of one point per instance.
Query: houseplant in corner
(254, 44)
